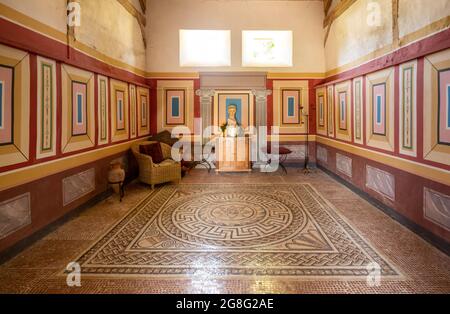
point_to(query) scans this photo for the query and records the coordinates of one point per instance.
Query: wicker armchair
(152, 173)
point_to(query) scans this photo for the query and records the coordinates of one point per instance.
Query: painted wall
(165, 18)
(416, 198)
(353, 41)
(20, 171)
(391, 144)
(106, 27)
(64, 131)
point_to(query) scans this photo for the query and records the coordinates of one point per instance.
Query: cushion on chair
(165, 163)
(153, 150)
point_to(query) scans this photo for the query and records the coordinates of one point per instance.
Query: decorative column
(205, 95)
(261, 115)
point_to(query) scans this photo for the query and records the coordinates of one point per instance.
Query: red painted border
(39, 45)
(22, 38)
(429, 45)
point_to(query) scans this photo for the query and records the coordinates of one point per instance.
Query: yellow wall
(106, 27)
(49, 12)
(352, 41)
(416, 14)
(351, 37)
(165, 18)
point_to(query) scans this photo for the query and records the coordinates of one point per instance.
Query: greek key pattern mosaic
(250, 229)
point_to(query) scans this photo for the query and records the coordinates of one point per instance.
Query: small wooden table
(233, 154)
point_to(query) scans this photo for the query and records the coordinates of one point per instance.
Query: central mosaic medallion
(250, 229)
(229, 219)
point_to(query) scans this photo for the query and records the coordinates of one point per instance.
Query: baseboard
(431, 238)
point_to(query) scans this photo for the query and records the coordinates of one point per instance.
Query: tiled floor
(38, 269)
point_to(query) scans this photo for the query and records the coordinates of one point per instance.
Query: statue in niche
(233, 127)
(232, 121)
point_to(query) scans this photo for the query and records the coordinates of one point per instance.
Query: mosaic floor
(232, 233)
(233, 229)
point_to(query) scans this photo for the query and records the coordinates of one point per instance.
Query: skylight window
(267, 48)
(202, 48)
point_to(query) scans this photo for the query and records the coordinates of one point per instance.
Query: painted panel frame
(330, 110)
(120, 110)
(17, 149)
(379, 140)
(75, 141)
(290, 106)
(358, 103)
(379, 109)
(434, 148)
(175, 107)
(133, 111)
(119, 92)
(322, 112)
(188, 87)
(342, 109)
(103, 109)
(278, 87)
(46, 108)
(79, 108)
(443, 118)
(342, 103)
(6, 105)
(143, 110)
(408, 109)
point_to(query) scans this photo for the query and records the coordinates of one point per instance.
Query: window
(205, 48)
(267, 48)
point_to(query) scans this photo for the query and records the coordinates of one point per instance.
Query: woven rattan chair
(152, 173)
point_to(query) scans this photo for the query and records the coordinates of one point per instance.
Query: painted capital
(205, 92)
(261, 94)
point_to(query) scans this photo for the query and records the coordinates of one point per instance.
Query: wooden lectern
(233, 154)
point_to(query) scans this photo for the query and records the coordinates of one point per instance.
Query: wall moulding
(430, 39)
(21, 176)
(419, 169)
(233, 80)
